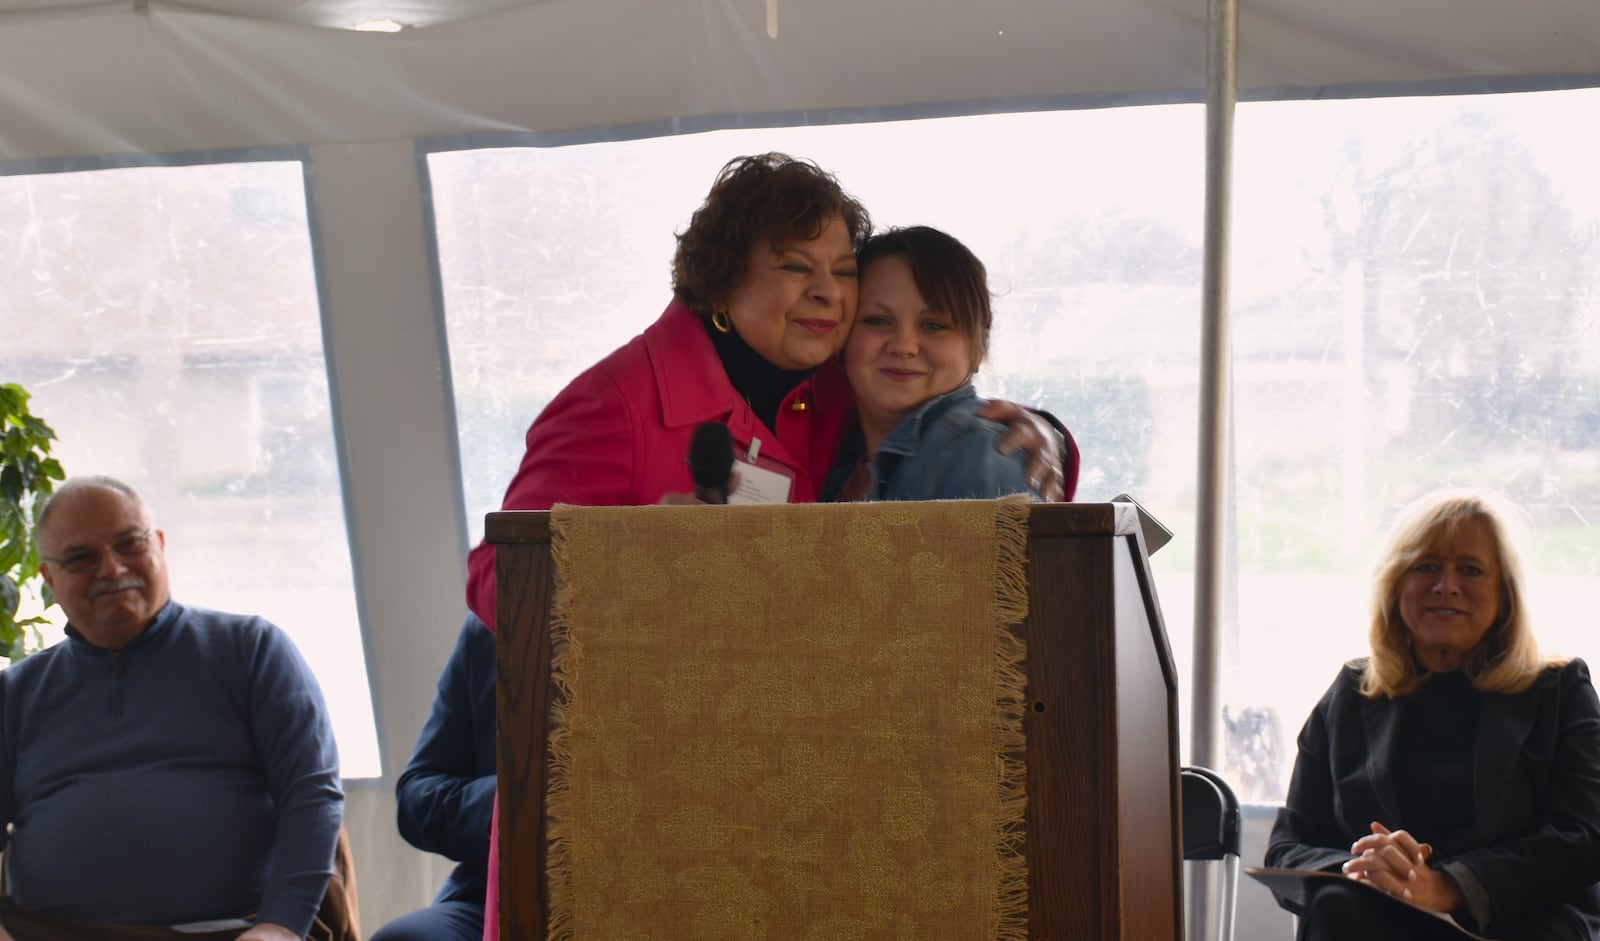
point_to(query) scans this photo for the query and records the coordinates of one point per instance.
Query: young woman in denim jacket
(922, 331)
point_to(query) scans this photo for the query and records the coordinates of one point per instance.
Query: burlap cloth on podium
(788, 722)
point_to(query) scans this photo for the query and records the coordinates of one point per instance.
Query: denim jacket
(940, 451)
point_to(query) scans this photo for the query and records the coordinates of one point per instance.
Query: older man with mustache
(165, 765)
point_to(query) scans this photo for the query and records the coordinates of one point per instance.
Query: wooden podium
(1103, 830)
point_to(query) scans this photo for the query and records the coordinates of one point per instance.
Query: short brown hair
(1507, 660)
(766, 199)
(947, 274)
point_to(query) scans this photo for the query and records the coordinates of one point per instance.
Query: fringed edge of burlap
(565, 655)
(1011, 679)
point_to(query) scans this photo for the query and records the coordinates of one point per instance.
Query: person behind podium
(1455, 768)
(922, 331)
(445, 796)
(764, 294)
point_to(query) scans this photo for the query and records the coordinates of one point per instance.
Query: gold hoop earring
(719, 320)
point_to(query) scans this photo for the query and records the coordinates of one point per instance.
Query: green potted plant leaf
(27, 476)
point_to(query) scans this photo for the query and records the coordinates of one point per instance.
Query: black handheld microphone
(711, 461)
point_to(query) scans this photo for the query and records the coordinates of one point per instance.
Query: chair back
(339, 918)
(1211, 831)
(1210, 815)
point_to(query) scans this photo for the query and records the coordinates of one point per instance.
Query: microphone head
(711, 455)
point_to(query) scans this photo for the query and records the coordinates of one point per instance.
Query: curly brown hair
(766, 199)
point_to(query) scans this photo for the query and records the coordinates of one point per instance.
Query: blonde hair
(1507, 660)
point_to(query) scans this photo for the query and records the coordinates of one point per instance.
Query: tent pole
(1215, 384)
(1211, 529)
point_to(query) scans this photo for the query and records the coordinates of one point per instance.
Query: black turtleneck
(1433, 760)
(753, 376)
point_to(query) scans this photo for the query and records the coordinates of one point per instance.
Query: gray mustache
(115, 584)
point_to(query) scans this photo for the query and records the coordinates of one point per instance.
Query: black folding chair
(1211, 832)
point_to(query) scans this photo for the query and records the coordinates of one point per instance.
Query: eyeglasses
(129, 548)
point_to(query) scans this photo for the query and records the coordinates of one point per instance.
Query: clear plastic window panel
(1089, 223)
(165, 320)
(1416, 301)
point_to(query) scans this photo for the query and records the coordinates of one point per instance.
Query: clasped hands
(1393, 860)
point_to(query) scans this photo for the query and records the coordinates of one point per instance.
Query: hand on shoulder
(1029, 432)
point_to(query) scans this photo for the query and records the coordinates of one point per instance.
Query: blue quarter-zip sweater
(189, 776)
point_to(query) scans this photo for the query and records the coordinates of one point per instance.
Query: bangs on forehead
(783, 230)
(1445, 531)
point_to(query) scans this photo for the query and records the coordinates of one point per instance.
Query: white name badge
(759, 485)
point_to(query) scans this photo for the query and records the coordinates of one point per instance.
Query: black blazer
(1531, 868)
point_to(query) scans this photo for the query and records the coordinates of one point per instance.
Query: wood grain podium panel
(1103, 837)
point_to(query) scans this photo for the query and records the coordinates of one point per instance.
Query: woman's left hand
(1395, 862)
(1026, 431)
(267, 931)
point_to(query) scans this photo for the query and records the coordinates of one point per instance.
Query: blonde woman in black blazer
(1455, 768)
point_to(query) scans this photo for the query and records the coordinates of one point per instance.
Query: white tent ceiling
(157, 78)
